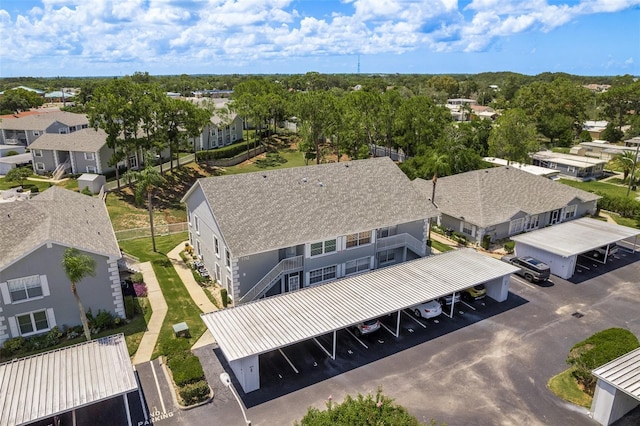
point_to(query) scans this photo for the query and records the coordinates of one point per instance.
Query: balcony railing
(286, 265)
(402, 240)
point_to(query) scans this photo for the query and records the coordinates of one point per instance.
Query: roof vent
(304, 179)
(320, 184)
(264, 176)
(347, 165)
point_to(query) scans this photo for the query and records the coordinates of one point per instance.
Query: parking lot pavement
(488, 366)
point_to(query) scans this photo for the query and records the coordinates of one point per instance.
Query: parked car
(531, 269)
(366, 327)
(476, 292)
(446, 300)
(428, 309)
(601, 251)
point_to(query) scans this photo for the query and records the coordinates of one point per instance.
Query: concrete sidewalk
(196, 292)
(159, 307)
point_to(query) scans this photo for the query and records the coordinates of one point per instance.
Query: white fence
(163, 229)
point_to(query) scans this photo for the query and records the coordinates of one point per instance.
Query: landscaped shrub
(225, 152)
(224, 296)
(460, 238)
(137, 277)
(129, 308)
(369, 410)
(509, 246)
(13, 347)
(194, 393)
(486, 242)
(140, 289)
(625, 207)
(597, 350)
(104, 320)
(185, 367)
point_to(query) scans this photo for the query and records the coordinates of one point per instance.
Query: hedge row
(625, 207)
(187, 371)
(224, 152)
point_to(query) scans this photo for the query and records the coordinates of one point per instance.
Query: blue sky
(43, 38)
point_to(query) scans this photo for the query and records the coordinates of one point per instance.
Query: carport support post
(126, 408)
(398, 325)
(453, 302)
(334, 345)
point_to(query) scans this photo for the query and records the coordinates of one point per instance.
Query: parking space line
(523, 281)
(466, 304)
(144, 410)
(356, 337)
(322, 347)
(388, 329)
(289, 361)
(415, 319)
(155, 377)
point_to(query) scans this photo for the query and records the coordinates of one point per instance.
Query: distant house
(529, 168)
(12, 161)
(595, 128)
(266, 233)
(570, 166)
(28, 89)
(34, 290)
(24, 130)
(222, 130)
(504, 201)
(599, 149)
(83, 151)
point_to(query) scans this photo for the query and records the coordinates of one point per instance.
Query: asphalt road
(488, 366)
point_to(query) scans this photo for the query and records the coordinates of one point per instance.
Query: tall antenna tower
(358, 63)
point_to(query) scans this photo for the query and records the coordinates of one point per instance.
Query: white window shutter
(45, 285)
(51, 317)
(4, 289)
(13, 327)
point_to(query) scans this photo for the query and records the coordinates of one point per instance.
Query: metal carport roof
(55, 382)
(268, 324)
(576, 237)
(623, 373)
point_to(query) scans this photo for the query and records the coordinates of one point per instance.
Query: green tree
(146, 181)
(362, 410)
(19, 174)
(621, 102)
(419, 123)
(317, 112)
(20, 100)
(625, 160)
(78, 266)
(513, 137)
(612, 134)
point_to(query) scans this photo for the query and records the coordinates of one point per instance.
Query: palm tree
(76, 267)
(146, 180)
(625, 160)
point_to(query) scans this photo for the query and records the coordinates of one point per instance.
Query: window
(32, 322)
(227, 258)
(36, 133)
(91, 169)
(323, 247)
(216, 245)
(383, 232)
(467, 228)
(516, 226)
(571, 169)
(570, 211)
(25, 288)
(386, 256)
(63, 131)
(189, 216)
(198, 249)
(532, 222)
(37, 153)
(197, 224)
(218, 275)
(40, 166)
(89, 156)
(355, 266)
(228, 286)
(322, 274)
(359, 239)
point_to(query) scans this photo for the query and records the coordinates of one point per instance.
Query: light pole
(226, 380)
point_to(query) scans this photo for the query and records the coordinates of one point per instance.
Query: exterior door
(294, 282)
(555, 217)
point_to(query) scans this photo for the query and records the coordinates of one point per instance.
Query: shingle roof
(59, 216)
(43, 120)
(58, 381)
(492, 196)
(85, 140)
(274, 209)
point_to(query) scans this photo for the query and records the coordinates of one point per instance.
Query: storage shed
(91, 181)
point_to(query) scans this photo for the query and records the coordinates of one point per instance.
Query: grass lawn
(6, 184)
(294, 159)
(624, 221)
(440, 246)
(565, 387)
(602, 187)
(180, 305)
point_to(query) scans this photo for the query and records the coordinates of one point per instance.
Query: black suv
(531, 269)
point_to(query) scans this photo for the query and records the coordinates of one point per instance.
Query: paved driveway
(484, 367)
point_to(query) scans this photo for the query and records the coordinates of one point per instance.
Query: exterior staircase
(285, 265)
